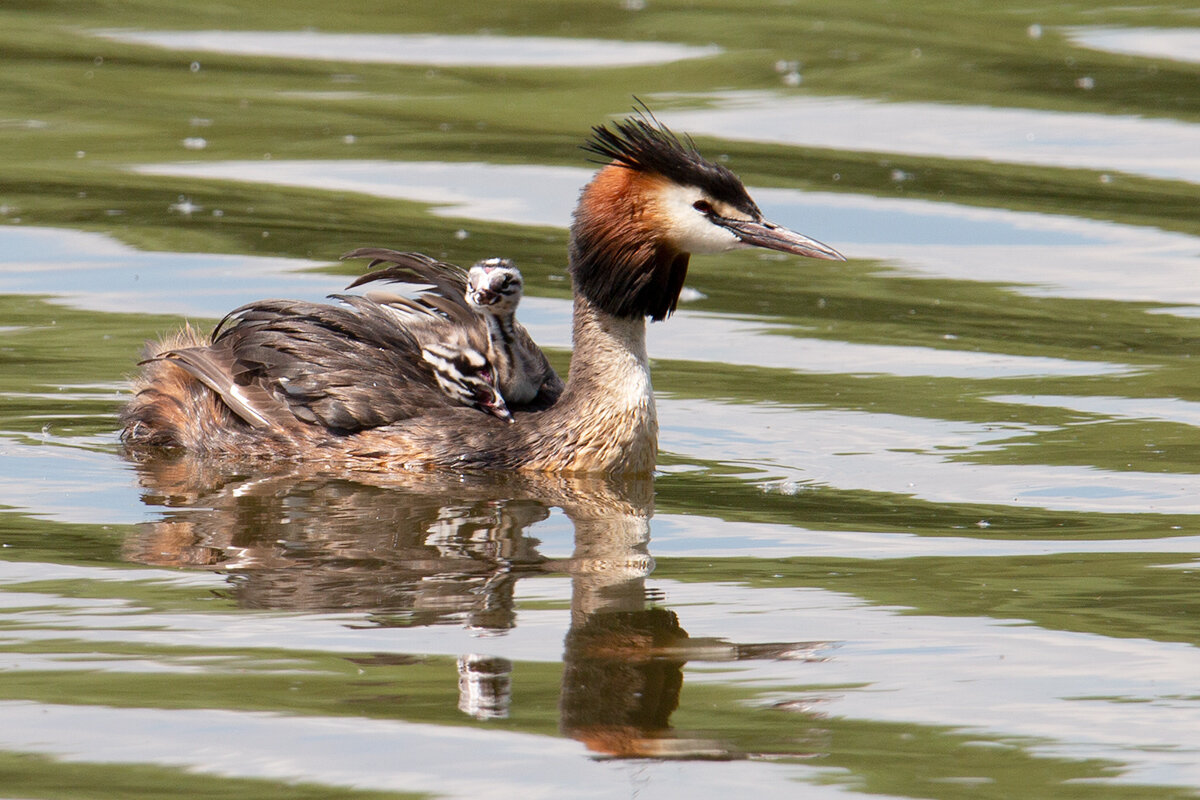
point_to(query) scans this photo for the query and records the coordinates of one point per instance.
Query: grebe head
(494, 286)
(655, 203)
(466, 376)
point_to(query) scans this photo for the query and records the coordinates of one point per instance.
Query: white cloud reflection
(1175, 44)
(430, 49)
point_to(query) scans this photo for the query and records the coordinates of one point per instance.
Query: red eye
(703, 206)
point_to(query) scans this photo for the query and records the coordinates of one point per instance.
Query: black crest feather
(644, 144)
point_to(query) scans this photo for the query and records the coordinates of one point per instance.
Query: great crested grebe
(523, 375)
(473, 355)
(347, 384)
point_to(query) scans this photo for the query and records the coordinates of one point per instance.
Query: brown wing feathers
(346, 367)
(282, 366)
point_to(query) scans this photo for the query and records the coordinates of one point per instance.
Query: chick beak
(484, 296)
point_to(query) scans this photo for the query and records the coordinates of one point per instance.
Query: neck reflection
(420, 550)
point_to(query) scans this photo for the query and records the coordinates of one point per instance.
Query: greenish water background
(926, 522)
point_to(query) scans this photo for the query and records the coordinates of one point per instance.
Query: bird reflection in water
(426, 549)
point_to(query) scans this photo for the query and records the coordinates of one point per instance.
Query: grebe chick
(347, 385)
(466, 376)
(494, 289)
(491, 290)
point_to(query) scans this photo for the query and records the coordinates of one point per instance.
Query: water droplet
(184, 206)
(195, 143)
(1034, 31)
(349, 138)
(1086, 82)
(461, 234)
(195, 66)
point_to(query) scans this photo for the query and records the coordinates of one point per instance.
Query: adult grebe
(347, 384)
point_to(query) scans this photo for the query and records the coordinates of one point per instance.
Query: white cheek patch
(689, 229)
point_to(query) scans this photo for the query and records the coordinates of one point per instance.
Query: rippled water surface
(926, 523)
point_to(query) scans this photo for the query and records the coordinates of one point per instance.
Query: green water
(925, 523)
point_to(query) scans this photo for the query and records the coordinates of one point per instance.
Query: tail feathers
(254, 405)
(170, 407)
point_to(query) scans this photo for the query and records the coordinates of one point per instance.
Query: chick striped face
(494, 286)
(466, 377)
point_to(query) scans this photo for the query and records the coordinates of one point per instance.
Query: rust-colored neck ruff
(619, 259)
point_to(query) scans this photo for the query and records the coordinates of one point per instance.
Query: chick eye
(703, 206)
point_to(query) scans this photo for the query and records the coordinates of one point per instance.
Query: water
(925, 523)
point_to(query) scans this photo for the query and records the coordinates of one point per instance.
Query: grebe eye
(703, 206)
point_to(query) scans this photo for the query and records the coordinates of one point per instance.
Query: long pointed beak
(774, 237)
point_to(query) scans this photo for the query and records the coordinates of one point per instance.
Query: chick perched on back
(485, 359)
(494, 289)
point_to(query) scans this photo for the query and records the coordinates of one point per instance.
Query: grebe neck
(605, 420)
